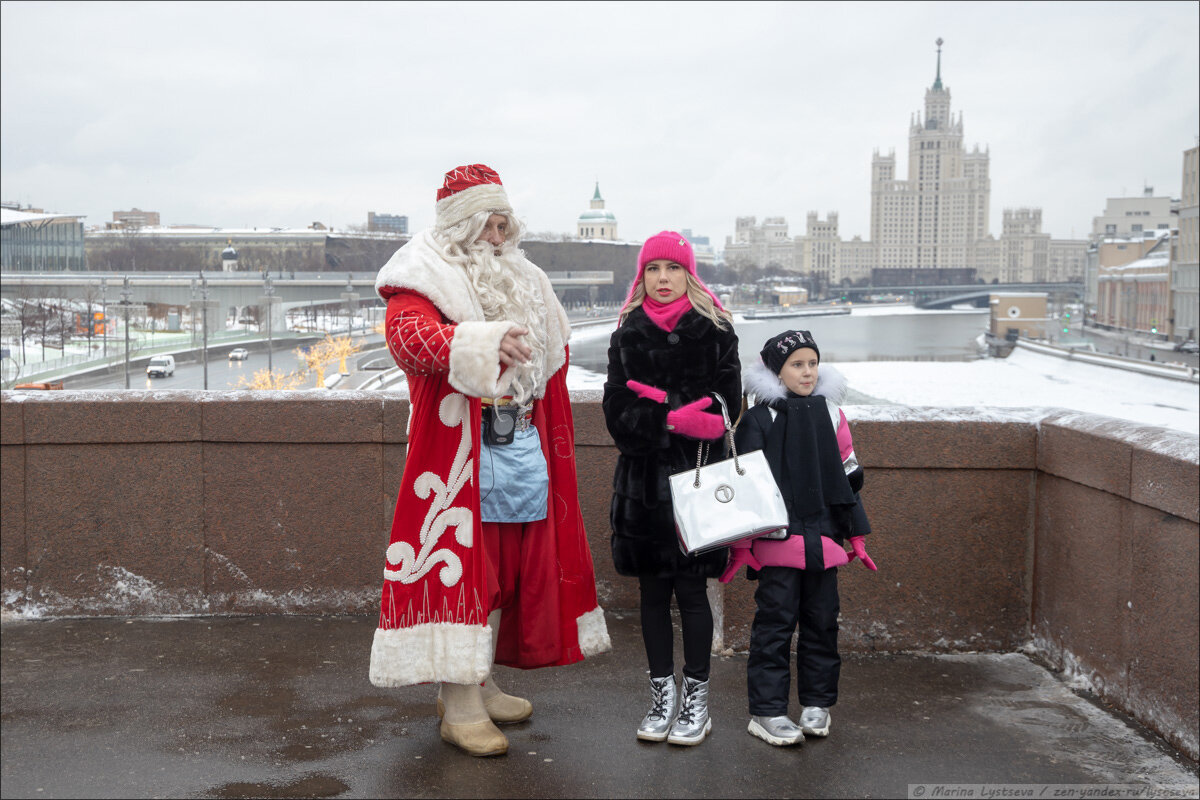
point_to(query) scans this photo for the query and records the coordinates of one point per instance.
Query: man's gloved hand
(648, 392)
(691, 421)
(860, 550)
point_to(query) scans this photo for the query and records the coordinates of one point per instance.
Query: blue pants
(788, 599)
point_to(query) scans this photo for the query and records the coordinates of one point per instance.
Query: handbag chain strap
(702, 447)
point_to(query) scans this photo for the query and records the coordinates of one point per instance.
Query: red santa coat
(433, 622)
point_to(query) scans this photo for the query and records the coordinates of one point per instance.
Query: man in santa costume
(488, 560)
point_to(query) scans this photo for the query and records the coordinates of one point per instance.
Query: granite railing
(1069, 536)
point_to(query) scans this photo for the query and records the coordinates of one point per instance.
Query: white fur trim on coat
(420, 267)
(406, 656)
(758, 380)
(593, 633)
(475, 358)
(460, 205)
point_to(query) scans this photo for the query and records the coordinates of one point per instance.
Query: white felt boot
(466, 724)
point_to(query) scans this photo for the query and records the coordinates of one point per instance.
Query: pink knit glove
(737, 557)
(648, 392)
(860, 550)
(693, 423)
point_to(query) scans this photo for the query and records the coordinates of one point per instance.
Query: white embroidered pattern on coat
(419, 345)
(409, 565)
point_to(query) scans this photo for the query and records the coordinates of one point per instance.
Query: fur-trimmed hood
(758, 380)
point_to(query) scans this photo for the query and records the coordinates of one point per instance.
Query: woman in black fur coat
(674, 347)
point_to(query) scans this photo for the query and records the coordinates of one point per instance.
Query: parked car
(239, 354)
(1190, 346)
(161, 367)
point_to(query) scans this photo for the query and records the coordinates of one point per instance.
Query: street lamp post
(269, 300)
(104, 312)
(203, 305)
(351, 298)
(126, 308)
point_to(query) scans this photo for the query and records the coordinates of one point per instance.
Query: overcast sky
(688, 114)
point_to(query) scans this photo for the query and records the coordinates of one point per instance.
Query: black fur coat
(690, 362)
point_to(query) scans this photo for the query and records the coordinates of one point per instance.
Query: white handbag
(725, 502)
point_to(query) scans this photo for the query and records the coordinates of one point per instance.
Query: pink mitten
(860, 550)
(737, 557)
(693, 423)
(648, 392)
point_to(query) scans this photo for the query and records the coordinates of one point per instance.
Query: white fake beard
(508, 292)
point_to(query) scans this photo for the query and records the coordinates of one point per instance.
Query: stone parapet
(1115, 566)
(994, 530)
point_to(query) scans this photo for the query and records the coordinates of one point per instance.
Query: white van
(161, 367)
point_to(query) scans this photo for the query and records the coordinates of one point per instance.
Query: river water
(905, 335)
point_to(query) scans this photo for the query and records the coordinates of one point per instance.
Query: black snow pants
(786, 598)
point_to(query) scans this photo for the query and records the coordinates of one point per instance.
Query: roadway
(1129, 346)
(222, 372)
(225, 374)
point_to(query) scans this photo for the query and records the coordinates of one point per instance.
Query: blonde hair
(697, 295)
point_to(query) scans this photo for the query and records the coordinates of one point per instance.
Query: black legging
(695, 615)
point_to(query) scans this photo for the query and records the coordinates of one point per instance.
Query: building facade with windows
(311, 249)
(1185, 255)
(390, 223)
(596, 222)
(763, 245)
(135, 218)
(819, 248)
(32, 240)
(934, 220)
(1134, 216)
(1136, 296)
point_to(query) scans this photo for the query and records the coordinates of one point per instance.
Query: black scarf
(803, 452)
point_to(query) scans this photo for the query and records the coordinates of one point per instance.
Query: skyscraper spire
(937, 82)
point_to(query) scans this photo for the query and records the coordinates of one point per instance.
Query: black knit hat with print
(777, 349)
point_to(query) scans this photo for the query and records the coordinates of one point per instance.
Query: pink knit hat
(673, 247)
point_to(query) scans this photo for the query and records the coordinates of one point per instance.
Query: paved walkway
(281, 707)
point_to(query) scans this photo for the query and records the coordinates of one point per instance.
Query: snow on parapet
(1152, 438)
(899, 413)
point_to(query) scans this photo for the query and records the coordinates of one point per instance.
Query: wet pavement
(281, 707)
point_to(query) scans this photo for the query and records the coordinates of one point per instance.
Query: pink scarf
(666, 315)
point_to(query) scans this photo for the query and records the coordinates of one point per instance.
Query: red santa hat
(468, 190)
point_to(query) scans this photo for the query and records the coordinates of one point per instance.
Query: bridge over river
(956, 294)
(231, 292)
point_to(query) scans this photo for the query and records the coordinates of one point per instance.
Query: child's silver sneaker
(815, 720)
(693, 722)
(779, 731)
(664, 702)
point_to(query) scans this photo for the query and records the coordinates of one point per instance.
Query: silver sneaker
(664, 703)
(779, 731)
(815, 720)
(693, 722)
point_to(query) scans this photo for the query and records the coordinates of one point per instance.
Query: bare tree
(24, 305)
(90, 297)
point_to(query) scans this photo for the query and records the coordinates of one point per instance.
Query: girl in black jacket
(674, 347)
